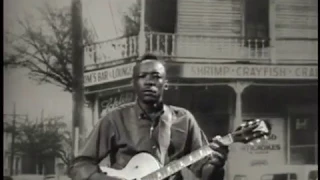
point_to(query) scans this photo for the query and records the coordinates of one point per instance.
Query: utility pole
(13, 135)
(142, 34)
(16, 118)
(78, 73)
(42, 121)
(43, 128)
(42, 118)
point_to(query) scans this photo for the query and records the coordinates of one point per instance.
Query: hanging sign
(108, 75)
(109, 103)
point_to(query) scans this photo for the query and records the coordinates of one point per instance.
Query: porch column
(95, 110)
(142, 34)
(5, 146)
(238, 87)
(272, 30)
(233, 163)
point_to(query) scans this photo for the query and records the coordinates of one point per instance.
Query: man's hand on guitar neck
(214, 170)
(220, 153)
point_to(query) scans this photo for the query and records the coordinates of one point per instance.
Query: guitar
(144, 166)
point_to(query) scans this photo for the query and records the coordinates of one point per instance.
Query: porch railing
(199, 48)
(111, 50)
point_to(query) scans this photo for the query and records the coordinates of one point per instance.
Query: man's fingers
(218, 155)
(217, 146)
(218, 140)
(220, 151)
(218, 159)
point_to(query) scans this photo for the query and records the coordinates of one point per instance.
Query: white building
(228, 60)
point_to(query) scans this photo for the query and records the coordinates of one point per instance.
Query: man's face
(149, 80)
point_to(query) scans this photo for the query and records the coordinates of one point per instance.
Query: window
(303, 139)
(256, 23)
(303, 128)
(313, 175)
(290, 176)
(9, 161)
(17, 165)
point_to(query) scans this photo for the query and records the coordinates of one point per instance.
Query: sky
(31, 98)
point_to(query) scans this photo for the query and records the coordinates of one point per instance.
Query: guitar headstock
(251, 130)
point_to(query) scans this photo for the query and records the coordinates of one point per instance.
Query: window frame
(296, 110)
(252, 43)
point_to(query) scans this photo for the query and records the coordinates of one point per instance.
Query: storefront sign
(267, 152)
(249, 71)
(111, 102)
(108, 75)
(264, 147)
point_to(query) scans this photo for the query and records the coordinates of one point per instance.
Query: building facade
(227, 61)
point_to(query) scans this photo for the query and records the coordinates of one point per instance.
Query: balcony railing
(198, 48)
(208, 48)
(110, 51)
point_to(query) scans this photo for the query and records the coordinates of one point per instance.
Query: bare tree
(131, 20)
(44, 47)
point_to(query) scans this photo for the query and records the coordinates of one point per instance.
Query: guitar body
(145, 166)
(139, 166)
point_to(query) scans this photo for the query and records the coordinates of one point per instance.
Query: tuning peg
(251, 143)
(265, 137)
(258, 140)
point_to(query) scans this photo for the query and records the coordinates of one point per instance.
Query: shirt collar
(142, 114)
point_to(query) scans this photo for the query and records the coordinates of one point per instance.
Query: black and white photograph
(160, 90)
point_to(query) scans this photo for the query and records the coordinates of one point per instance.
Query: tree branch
(45, 49)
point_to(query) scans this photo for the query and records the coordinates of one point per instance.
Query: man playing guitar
(147, 125)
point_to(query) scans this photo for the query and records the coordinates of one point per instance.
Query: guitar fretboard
(185, 161)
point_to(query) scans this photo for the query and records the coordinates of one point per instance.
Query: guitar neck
(176, 166)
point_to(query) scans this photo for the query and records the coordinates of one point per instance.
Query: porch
(202, 48)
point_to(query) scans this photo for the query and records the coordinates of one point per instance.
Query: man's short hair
(147, 56)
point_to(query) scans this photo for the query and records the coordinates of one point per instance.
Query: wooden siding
(297, 18)
(296, 31)
(209, 17)
(296, 51)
